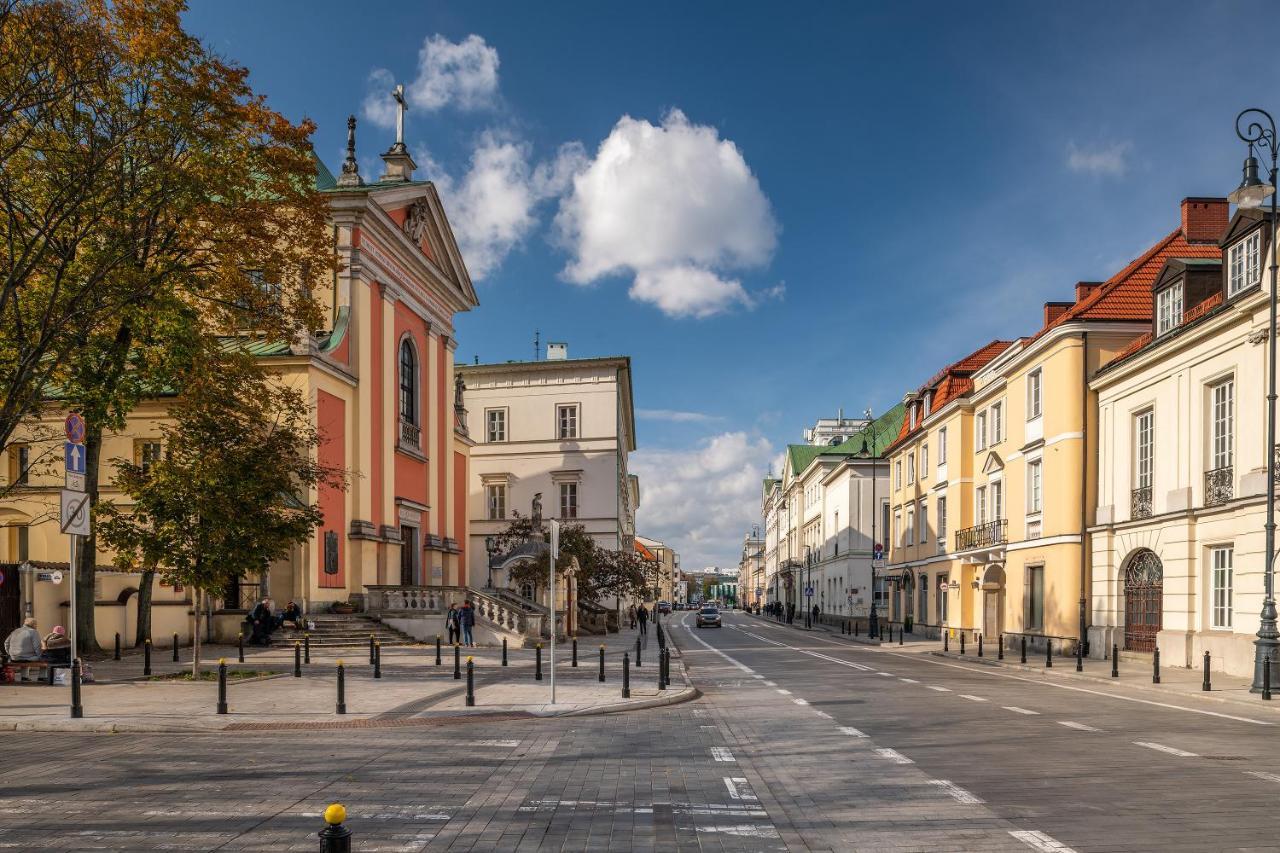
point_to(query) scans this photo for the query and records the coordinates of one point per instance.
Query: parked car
(664, 606)
(708, 617)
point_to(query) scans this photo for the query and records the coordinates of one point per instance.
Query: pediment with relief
(994, 463)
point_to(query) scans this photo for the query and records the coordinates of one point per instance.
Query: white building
(1179, 546)
(830, 432)
(560, 428)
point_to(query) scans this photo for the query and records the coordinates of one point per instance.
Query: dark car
(708, 617)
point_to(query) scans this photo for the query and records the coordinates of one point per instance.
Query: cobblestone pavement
(800, 742)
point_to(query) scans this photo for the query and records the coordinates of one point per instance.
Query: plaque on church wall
(331, 552)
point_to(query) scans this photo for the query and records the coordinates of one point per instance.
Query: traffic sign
(808, 592)
(877, 563)
(759, 590)
(74, 514)
(75, 428)
(75, 457)
(75, 482)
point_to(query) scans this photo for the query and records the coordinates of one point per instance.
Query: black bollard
(637, 652)
(962, 641)
(575, 652)
(175, 647)
(1000, 647)
(901, 631)
(342, 689)
(1266, 678)
(946, 640)
(1206, 686)
(1024, 649)
(240, 646)
(663, 655)
(297, 659)
(438, 649)
(1155, 666)
(222, 686)
(1079, 656)
(335, 838)
(537, 670)
(377, 660)
(602, 663)
(371, 640)
(855, 628)
(77, 710)
(1115, 661)
(306, 648)
(979, 645)
(471, 682)
(504, 651)
(457, 662)
(117, 654)
(1048, 653)
(626, 675)
(146, 656)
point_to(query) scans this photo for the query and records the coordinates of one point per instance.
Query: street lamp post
(873, 628)
(1251, 193)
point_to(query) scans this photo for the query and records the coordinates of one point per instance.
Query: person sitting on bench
(263, 623)
(57, 647)
(23, 646)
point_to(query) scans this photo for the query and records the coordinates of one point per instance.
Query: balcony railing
(1140, 503)
(983, 535)
(1219, 486)
(410, 435)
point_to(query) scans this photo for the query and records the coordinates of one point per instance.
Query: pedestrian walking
(642, 616)
(467, 621)
(451, 623)
(631, 615)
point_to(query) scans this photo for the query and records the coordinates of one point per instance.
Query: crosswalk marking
(894, 756)
(1037, 840)
(1159, 747)
(1080, 727)
(960, 795)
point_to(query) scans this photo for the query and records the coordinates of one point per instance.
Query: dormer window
(913, 417)
(927, 398)
(1245, 263)
(1168, 309)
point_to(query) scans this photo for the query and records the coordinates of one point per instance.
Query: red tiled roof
(951, 382)
(1195, 312)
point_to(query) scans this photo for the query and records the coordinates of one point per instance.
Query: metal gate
(1143, 601)
(10, 599)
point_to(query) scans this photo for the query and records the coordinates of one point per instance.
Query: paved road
(801, 742)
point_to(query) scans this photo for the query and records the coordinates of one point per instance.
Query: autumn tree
(229, 495)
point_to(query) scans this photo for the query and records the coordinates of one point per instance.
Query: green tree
(602, 572)
(229, 494)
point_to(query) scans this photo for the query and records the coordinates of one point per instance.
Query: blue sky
(775, 209)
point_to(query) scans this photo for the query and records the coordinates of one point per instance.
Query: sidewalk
(1176, 683)
(411, 691)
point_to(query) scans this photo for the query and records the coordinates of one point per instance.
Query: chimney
(1203, 219)
(1084, 288)
(1054, 310)
(557, 351)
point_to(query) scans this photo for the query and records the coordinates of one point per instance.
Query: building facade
(751, 575)
(558, 430)
(1179, 543)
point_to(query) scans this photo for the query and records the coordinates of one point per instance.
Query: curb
(688, 694)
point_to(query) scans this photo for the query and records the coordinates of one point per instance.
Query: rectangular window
(922, 523)
(997, 423)
(19, 464)
(1034, 480)
(924, 599)
(1034, 380)
(1168, 309)
(1144, 441)
(24, 539)
(1246, 263)
(567, 422)
(1223, 559)
(897, 529)
(911, 525)
(997, 502)
(924, 462)
(884, 518)
(897, 474)
(928, 398)
(1035, 598)
(148, 455)
(911, 468)
(496, 501)
(980, 505)
(942, 523)
(980, 431)
(1223, 427)
(495, 425)
(942, 446)
(568, 500)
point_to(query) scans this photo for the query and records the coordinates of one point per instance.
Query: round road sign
(75, 428)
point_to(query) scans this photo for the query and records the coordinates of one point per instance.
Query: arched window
(408, 383)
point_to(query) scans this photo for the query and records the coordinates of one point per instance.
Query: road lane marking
(823, 714)
(1080, 727)
(1015, 709)
(1259, 774)
(908, 680)
(851, 731)
(1037, 840)
(894, 756)
(738, 788)
(889, 674)
(784, 692)
(971, 698)
(741, 666)
(800, 701)
(756, 675)
(1159, 747)
(939, 689)
(720, 753)
(771, 684)
(960, 795)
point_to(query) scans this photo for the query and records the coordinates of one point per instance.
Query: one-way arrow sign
(75, 458)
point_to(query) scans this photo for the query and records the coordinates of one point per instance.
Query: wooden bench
(40, 665)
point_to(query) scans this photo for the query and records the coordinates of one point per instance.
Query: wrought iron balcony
(1140, 503)
(983, 535)
(410, 435)
(1219, 486)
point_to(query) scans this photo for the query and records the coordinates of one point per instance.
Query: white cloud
(672, 205)
(464, 74)
(674, 416)
(704, 499)
(492, 207)
(1103, 160)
